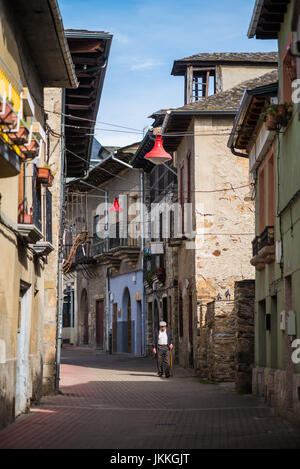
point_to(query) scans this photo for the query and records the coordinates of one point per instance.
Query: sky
(148, 35)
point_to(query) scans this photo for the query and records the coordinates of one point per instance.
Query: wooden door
(99, 323)
(191, 329)
(86, 320)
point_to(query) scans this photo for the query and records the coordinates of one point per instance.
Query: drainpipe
(120, 161)
(60, 253)
(165, 122)
(237, 153)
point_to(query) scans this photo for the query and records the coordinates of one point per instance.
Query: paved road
(118, 402)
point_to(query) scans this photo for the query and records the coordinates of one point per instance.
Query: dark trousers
(163, 359)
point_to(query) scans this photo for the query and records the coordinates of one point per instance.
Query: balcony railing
(267, 237)
(263, 248)
(96, 246)
(255, 246)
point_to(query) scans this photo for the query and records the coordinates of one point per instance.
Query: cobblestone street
(118, 402)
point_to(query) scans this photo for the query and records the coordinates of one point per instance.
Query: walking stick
(171, 360)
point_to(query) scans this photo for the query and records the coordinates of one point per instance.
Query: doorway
(23, 349)
(191, 355)
(115, 328)
(84, 309)
(100, 323)
(127, 323)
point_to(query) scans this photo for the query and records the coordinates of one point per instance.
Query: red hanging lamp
(158, 155)
(116, 207)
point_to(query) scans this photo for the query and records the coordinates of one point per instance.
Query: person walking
(162, 344)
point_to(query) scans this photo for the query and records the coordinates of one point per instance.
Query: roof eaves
(261, 91)
(63, 43)
(255, 18)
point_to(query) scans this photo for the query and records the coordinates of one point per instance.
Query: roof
(104, 171)
(229, 100)
(223, 103)
(42, 28)
(219, 58)
(90, 51)
(267, 18)
(247, 118)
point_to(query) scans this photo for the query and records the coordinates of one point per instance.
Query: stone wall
(96, 290)
(244, 299)
(225, 349)
(53, 102)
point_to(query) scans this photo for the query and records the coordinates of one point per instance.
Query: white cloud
(147, 64)
(122, 38)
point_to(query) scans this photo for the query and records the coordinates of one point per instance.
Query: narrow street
(118, 402)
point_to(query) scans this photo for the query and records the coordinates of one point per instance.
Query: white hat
(162, 323)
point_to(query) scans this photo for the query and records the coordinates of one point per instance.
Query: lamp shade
(158, 155)
(116, 207)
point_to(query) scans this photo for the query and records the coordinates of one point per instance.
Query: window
(296, 28)
(182, 197)
(271, 189)
(261, 191)
(189, 195)
(289, 71)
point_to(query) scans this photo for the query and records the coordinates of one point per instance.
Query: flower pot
(20, 137)
(30, 151)
(271, 122)
(27, 218)
(9, 117)
(45, 176)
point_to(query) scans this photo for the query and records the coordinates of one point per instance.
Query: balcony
(263, 247)
(124, 249)
(9, 161)
(32, 225)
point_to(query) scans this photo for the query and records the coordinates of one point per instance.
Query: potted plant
(269, 116)
(24, 217)
(285, 112)
(148, 277)
(160, 273)
(276, 114)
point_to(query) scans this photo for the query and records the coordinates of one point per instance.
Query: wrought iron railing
(95, 246)
(255, 246)
(267, 237)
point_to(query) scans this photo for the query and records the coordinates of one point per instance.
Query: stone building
(273, 150)
(105, 278)
(214, 193)
(27, 235)
(160, 257)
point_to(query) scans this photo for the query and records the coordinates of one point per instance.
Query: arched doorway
(84, 316)
(127, 341)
